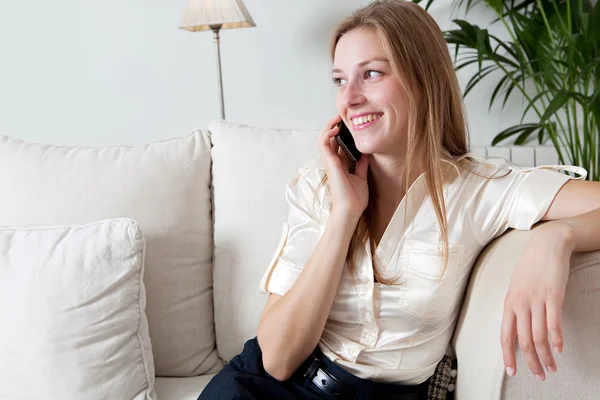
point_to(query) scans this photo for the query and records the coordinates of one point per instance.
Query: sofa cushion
(164, 186)
(251, 167)
(72, 302)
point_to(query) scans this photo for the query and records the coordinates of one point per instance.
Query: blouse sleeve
(300, 232)
(516, 197)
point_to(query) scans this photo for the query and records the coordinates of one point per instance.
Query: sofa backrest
(163, 186)
(250, 170)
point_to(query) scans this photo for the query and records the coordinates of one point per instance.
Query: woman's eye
(338, 81)
(372, 73)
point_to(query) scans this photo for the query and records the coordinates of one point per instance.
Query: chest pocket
(429, 288)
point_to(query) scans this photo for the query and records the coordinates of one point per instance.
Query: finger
(334, 146)
(336, 149)
(508, 334)
(329, 155)
(326, 136)
(329, 132)
(344, 157)
(362, 166)
(333, 122)
(329, 126)
(526, 344)
(336, 120)
(553, 316)
(539, 330)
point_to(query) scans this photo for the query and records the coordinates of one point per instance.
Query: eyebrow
(363, 63)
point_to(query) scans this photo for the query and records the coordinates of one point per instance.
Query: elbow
(273, 359)
(277, 358)
(276, 367)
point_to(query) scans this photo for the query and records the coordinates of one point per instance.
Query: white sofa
(204, 268)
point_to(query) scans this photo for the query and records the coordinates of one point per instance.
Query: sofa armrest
(476, 339)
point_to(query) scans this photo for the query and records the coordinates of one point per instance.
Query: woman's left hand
(532, 308)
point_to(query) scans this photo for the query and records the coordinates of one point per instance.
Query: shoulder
(311, 171)
(307, 185)
(477, 169)
(499, 167)
(483, 164)
(314, 165)
(483, 168)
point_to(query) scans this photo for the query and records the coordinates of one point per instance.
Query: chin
(368, 148)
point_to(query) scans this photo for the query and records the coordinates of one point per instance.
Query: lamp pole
(216, 29)
(202, 15)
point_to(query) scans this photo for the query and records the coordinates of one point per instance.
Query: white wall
(88, 72)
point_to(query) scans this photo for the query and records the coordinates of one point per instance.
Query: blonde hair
(437, 132)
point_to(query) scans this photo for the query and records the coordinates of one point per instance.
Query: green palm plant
(553, 59)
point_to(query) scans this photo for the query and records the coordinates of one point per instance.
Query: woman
(367, 282)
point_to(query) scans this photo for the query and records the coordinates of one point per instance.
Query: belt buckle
(312, 368)
(324, 380)
(327, 383)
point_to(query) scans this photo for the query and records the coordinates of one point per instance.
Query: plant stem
(568, 131)
(586, 132)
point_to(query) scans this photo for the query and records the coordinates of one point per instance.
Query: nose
(353, 95)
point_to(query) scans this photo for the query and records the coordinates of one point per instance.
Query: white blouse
(399, 333)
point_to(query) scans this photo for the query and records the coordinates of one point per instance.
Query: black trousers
(244, 378)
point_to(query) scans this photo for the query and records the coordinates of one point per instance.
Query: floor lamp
(202, 15)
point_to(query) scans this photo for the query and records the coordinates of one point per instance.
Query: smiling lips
(365, 120)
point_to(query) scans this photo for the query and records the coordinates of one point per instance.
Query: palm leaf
(511, 86)
(475, 79)
(525, 135)
(497, 89)
(556, 104)
(513, 130)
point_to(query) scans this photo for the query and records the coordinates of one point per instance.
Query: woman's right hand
(349, 192)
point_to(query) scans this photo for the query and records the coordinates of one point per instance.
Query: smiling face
(370, 98)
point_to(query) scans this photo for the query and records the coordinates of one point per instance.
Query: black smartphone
(346, 142)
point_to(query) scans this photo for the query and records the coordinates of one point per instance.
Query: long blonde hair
(437, 132)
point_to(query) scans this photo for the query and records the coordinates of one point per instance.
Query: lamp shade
(199, 15)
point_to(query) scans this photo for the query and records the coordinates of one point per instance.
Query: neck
(387, 176)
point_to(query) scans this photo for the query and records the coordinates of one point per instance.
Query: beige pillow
(164, 186)
(251, 168)
(72, 303)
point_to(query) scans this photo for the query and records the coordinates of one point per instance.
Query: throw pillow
(72, 302)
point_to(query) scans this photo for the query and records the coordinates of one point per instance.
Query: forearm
(292, 327)
(582, 231)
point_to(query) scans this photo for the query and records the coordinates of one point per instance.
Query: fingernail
(510, 371)
(551, 368)
(557, 350)
(539, 377)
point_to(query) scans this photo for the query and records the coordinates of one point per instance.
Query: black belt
(326, 381)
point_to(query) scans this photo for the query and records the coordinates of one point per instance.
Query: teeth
(364, 119)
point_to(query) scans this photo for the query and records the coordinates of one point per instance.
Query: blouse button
(453, 373)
